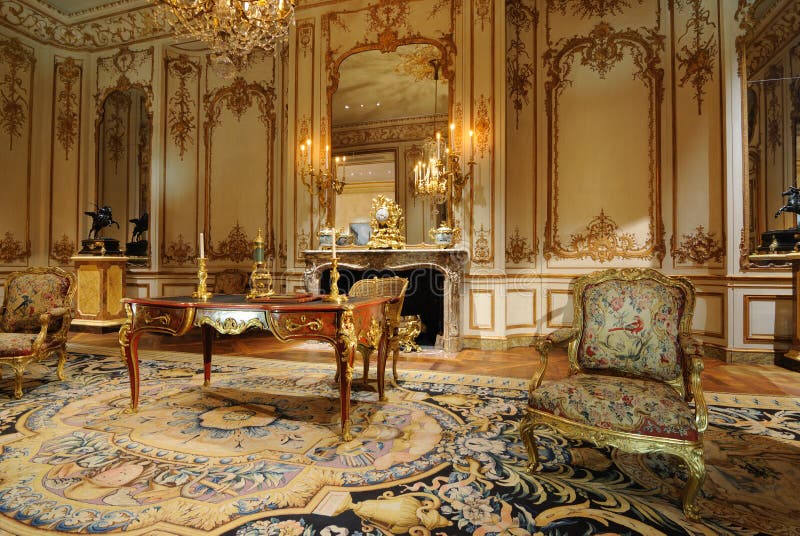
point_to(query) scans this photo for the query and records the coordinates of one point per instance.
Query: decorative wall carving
(135, 25)
(386, 18)
(180, 113)
(385, 131)
(587, 9)
(63, 250)
(482, 252)
(68, 75)
(517, 249)
(305, 36)
(520, 67)
(698, 247)
(772, 89)
(603, 48)
(603, 241)
(483, 126)
(123, 70)
(764, 45)
(483, 12)
(178, 252)
(236, 247)
(12, 249)
(694, 52)
(116, 132)
(15, 107)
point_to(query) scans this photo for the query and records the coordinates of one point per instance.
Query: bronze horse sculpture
(101, 218)
(793, 203)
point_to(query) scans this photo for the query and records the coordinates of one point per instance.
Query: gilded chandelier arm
(543, 346)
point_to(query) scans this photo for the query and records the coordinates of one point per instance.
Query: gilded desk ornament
(346, 341)
(373, 334)
(388, 225)
(163, 319)
(260, 278)
(315, 324)
(229, 325)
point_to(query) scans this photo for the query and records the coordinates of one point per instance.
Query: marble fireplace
(451, 263)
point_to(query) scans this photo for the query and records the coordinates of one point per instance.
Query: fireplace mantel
(450, 262)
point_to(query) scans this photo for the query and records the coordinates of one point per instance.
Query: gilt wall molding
(763, 41)
(181, 120)
(15, 105)
(122, 71)
(236, 247)
(518, 251)
(588, 9)
(600, 51)
(69, 74)
(63, 250)
(12, 249)
(177, 251)
(698, 247)
(520, 63)
(696, 48)
(134, 25)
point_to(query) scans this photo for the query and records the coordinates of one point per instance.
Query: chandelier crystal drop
(233, 29)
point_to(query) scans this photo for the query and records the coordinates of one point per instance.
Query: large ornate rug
(258, 453)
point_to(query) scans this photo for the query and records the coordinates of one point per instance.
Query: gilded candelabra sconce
(260, 278)
(202, 292)
(324, 184)
(441, 176)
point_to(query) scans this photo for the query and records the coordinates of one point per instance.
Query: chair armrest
(700, 408)
(58, 312)
(691, 346)
(543, 345)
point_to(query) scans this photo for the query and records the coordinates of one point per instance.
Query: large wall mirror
(772, 122)
(384, 106)
(124, 131)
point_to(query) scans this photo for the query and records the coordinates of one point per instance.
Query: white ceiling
(372, 77)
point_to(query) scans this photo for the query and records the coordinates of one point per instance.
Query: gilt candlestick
(202, 292)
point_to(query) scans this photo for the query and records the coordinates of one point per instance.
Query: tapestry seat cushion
(16, 344)
(621, 404)
(632, 326)
(31, 295)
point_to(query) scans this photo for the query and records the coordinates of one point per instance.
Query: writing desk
(343, 325)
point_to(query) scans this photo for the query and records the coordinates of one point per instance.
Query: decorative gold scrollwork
(373, 334)
(315, 324)
(163, 319)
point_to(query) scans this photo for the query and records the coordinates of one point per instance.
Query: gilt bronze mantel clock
(388, 225)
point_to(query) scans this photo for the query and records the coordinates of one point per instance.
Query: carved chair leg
(697, 474)
(395, 355)
(62, 360)
(19, 368)
(366, 352)
(526, 431)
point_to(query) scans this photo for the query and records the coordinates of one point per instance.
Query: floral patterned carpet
(258, 453)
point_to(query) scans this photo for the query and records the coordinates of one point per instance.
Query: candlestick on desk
(202, 292)
(202, 247)
(333, 242)
(334, 295)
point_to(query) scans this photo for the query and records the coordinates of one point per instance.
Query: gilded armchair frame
(46, 342)
(687, 385)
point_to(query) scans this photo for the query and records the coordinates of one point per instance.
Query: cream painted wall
(567, 180)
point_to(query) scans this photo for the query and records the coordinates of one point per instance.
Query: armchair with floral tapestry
(35, 319)
(634, 370)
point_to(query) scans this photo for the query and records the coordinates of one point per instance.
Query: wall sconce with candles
(324, 183)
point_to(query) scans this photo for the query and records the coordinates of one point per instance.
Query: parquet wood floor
(516, 362)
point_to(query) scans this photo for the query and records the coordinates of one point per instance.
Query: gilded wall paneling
(702, 301)
(483, 120)
(284, 165)
(182, 78)
(696, 110)
(580, 63)
(17, 64)
(481, 309)
(750, 304)
(239, 107)
(767, 41)
(522, 19)
(131, 26)
(305, 77)
(125, 69)
(65, 158)
(559, 308)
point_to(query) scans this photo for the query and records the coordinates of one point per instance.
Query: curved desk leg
(208, 342)
(345, 355)
(129, 348)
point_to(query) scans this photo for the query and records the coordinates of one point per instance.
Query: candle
(333, 232)
(438, 145)
(308, 143)
(327, 162)
(452, 135)
(471, 146)
(202, 247)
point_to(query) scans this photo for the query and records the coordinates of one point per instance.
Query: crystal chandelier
(233, 29)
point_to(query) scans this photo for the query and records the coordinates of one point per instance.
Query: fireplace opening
(424, 295)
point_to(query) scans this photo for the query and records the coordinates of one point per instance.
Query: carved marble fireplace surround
(450, 262)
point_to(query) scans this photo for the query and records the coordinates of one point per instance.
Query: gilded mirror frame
(446, 48)
(754, 30)
(124, 85)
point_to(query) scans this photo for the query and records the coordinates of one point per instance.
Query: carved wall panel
(124, 69)
(305, 113)
(522, 91)
(180, 212)
(698, 211)
(17, 63)
(604, 93)
(65, 155)
(239, 137)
